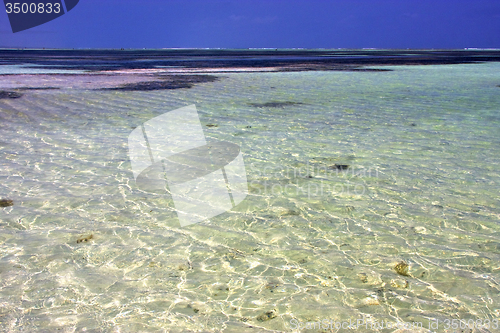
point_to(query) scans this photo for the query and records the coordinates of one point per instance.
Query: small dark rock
(9, 94)
(402, 269)
(6, 202)
(413, 124)
(341, 166)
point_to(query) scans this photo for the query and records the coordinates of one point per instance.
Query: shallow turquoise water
(308, 243)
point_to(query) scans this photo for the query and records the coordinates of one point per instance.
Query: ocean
(373, 197)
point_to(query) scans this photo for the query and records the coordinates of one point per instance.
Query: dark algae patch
(9, 94)
(38, 88)
(153, 85)
(274, 104)
(167, 82)
(6, 203)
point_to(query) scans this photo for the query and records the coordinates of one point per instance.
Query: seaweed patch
(6, 203)
(38, 88)
(274, 104)
(167, 82)
(9, 94)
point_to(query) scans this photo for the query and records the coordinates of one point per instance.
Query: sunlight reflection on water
(421, 144)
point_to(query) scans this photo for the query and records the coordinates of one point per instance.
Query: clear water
(308, 243)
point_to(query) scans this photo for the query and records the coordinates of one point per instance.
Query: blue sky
(266, 23)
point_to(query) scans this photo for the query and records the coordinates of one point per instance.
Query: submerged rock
(9, 94)
(402, 269)
(85, 238)
(6, 203)
(363, 277)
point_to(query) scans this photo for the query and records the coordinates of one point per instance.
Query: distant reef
(213, 60)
